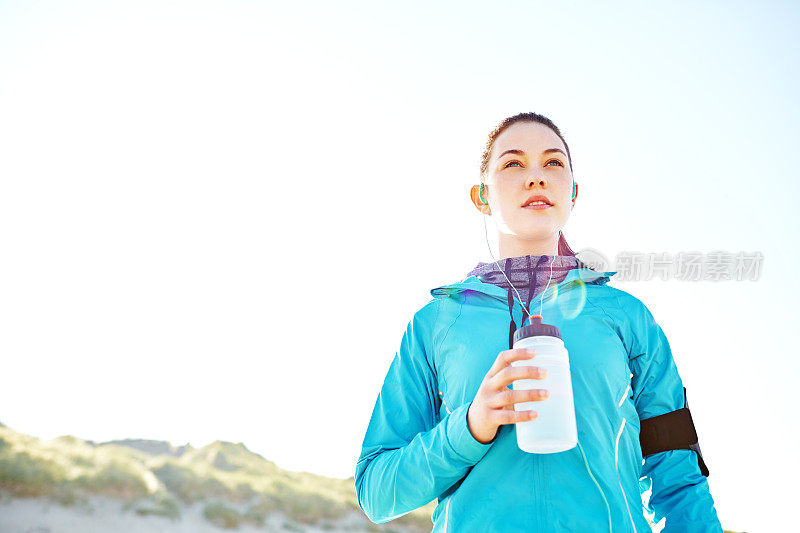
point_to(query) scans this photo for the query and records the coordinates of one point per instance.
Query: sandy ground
(102, 515)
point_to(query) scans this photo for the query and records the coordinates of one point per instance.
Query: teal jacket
(418, 446)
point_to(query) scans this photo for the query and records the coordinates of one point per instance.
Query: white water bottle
(554, 429)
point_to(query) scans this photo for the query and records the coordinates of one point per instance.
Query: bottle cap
(536, 328)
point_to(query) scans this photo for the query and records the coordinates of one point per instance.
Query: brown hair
(563, 247)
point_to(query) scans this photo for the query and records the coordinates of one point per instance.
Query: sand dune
(104, 515)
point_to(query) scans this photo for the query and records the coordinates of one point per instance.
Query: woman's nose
(535, 180)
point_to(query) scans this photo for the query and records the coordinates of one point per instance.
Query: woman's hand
(493, 405)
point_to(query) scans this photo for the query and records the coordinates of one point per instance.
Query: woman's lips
(537, 206)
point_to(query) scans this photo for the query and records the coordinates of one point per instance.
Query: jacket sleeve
(679, 490)
(408, 458)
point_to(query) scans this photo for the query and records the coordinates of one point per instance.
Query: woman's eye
(520, 164)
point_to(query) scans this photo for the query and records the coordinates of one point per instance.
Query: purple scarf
(528, 273)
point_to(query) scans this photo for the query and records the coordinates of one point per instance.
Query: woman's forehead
(530, 137)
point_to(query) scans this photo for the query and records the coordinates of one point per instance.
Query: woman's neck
(511, 246)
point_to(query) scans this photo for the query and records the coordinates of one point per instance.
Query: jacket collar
(585, 275)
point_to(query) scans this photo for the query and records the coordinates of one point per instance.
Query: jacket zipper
(622, 426)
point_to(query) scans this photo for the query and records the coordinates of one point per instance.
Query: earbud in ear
(480, 195)
(574, 190)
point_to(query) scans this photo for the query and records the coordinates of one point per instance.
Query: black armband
(671, 431)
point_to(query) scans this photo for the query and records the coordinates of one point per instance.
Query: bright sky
(218, 217)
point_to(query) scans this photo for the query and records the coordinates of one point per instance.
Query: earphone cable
(519, 298)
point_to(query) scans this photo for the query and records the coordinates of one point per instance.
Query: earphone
(484, 202)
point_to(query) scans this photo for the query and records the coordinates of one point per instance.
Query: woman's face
(527, 159)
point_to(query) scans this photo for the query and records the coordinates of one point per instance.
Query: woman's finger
(505, 357)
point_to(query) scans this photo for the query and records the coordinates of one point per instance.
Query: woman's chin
(531, 228)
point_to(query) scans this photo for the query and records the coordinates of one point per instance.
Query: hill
(223, 483)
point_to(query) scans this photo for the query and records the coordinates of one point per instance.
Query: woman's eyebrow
(522, 152)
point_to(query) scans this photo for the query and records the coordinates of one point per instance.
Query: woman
(443, 424)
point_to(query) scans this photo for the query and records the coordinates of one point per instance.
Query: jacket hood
(576, 275)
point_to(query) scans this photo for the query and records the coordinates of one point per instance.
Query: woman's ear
(474, 194)
(574, 192)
